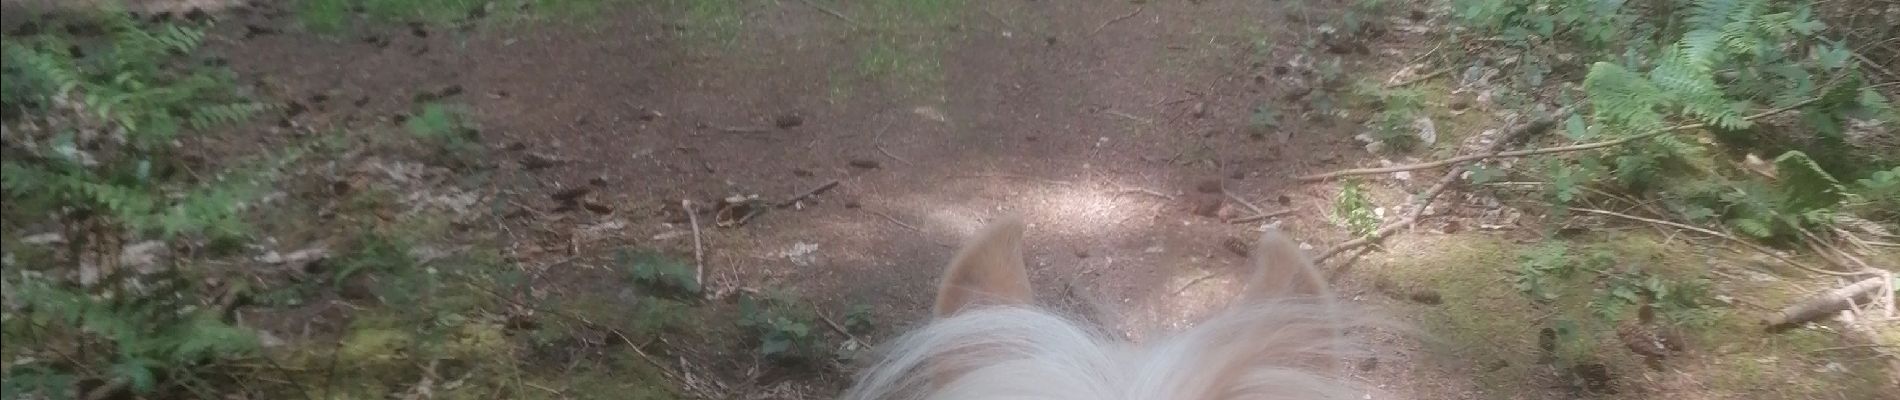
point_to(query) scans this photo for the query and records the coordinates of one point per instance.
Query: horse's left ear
(988, 271)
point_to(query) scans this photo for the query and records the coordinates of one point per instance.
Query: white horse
(1282, 340)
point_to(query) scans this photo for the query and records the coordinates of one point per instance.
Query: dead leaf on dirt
(535, 160)
(1427, 131)
(1404, 74)
(801, 254)
(603, 229)
(568, 195)
(299, 261)
(143, 256)
(931, 113)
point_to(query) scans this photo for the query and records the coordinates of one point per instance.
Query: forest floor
(1127, 134)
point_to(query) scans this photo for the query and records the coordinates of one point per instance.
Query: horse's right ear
(1281, 270)
(988, 270)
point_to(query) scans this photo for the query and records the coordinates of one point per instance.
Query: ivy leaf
(1831, 56)
(1574, 127)
(1481, 173)
(137, 372)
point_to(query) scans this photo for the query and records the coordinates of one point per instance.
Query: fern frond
(55, 72)
(1694, 88)
(1805, 186)
(222, 114)
(1623, 98)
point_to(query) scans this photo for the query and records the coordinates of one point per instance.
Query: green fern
(1623, 98)
(1804, 185)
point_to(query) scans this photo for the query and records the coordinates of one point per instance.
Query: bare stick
(821, 189)
(1261, 216)
(742, 129)
(699, 251)
(1196, 281)
(1549, 150)
(1824, 303)
(1025, 177)
(1723, 236)
(1236, 198)
(1538, 126)
(834, 324)
(887, 153)
(1105, 25)
(833, 13)
(1149, 192)
(894, 220)
(1417, 79)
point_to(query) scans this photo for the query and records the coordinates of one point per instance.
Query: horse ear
(1281, 270)
(988, 270)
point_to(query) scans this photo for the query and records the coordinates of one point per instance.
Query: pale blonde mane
(1282, 340)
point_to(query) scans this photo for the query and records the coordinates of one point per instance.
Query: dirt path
(1104, 124)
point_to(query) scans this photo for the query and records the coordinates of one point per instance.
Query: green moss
(1487, 323)
(374, 346)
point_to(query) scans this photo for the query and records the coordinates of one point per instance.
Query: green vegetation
(335, 16)
(783, 326)
(1354, 209)
(105, 117)
(1753, 118)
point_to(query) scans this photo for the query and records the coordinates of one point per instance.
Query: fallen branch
(1237, 199)
(1417, 79)
(1825, 303)
(1723, 236)
(821, 189)
(834, 324)
(699, 251)
(1260, 216)
(1424, 199)
(1105, 25)
(1539, 125)
(742, 129)
(833, 13)
(1150, 192)
(887, 153)
(894, 220)
(1549, 150)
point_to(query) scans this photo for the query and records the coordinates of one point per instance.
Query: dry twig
(1723, 236)
(834, 324)
(1261, 216)
(1105, 24)
(887, 153)
(894, 220)
(833, 13)
(821, 189)
(1237, 199)
(699, 251)
(1548, 150)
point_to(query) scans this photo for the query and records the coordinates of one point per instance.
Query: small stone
(1368, 364)
(571, 194)
(1208, 186)
(1426, 296)
(788, 121)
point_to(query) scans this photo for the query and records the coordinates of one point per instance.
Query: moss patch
(1493, 328)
